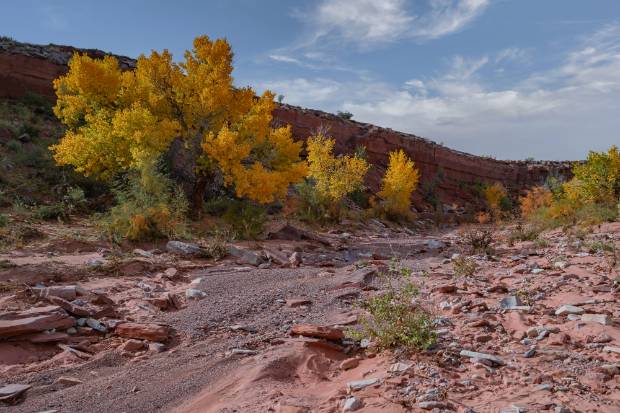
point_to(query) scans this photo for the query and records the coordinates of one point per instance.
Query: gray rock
(96, 325)
(612, 349)
(482, 356)
(361, 384)
(157, 347)
(13, 391)
(351, 404)
(510, 301)
(430, 405)
(530, 353)
(603, 319)
(245, 256)
(194, 294)
(569, 309)
(433, 244)
(185, 249)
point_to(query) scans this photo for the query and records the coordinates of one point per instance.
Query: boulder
(143, 331)
(34, 320)
(185, 249)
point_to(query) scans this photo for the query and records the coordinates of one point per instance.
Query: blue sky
(507, 78)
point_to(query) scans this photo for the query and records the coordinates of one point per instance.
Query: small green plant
(312, 207)
(600, 246)
(246, 219)
(4, 220)
(344, 115)
(464, 266)
(523, 233)
(393, 319)
(541, 243)
(148, 206)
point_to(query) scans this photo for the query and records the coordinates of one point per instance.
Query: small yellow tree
(537, 197)
(334, 177)
(494, 195)
(399, 182)
(123, 120)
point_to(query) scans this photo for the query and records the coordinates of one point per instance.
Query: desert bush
(464, 266)
(73, 201)
(217, 245)
(400, 180)
(148, 206)
(479, 240)
(392, 318)
(4, 220)
(537, 197)
(522, 232)
(312, 208)
(333, 177)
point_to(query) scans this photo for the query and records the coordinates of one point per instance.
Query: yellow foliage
(259, 160)
(537, 197)
(118, 121)
(494, 194)
(597, 180)
(335, 177)
(400, 180)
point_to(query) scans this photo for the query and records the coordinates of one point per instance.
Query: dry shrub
(479, 240)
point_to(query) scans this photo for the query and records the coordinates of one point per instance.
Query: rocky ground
(85, 327)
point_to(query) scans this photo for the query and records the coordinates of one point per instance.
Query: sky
(512, 79)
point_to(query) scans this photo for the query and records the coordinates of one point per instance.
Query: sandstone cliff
(447, 175)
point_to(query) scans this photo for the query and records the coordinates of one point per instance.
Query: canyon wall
(447, 175)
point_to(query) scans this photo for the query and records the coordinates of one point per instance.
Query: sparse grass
(393, 320)
(464, 266)
(523, 233)
(217, 246)
(600, 246)
(243, 220)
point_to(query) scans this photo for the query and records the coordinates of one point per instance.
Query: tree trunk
(198, 195)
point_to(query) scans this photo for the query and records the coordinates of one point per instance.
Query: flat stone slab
(482, 356)
(361, 384)
(569, 309)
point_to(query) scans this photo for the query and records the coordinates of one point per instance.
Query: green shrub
(14, 145)
(392, 319)
(4, 220)
(312, 207)
(464, 266)
(51, 212)
(246, 219)
(148, 206)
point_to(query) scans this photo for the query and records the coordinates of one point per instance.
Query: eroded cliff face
(447, 175)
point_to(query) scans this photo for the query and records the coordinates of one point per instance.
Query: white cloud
(283, 58)
(363, 20)
(370, 22)
(557, 114)
(448, 16)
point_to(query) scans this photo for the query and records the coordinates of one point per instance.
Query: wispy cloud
(447, 16)
(553, 113)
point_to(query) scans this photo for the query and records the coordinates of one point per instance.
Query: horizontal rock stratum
(447, 175)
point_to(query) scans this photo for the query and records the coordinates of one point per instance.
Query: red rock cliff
(448, 174)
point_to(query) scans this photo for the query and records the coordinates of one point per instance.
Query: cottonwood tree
(124, 120)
